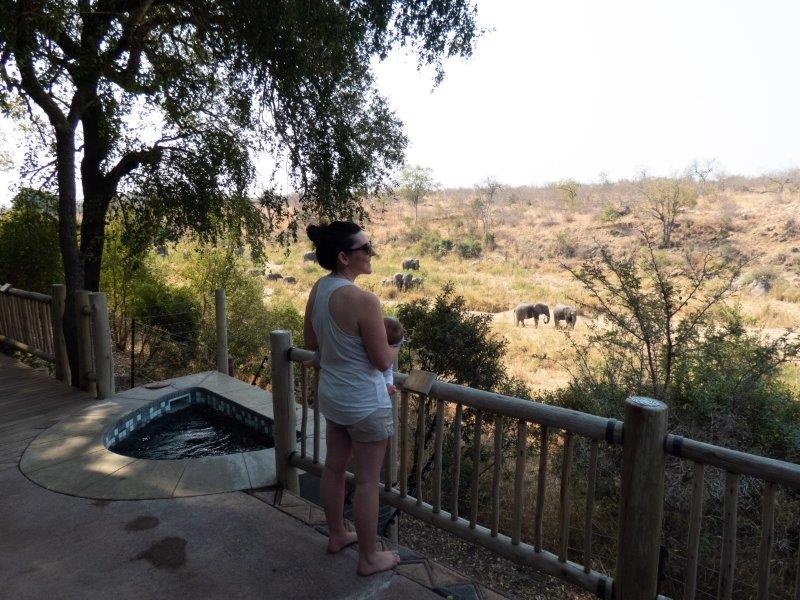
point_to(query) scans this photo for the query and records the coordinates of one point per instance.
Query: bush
(564, 245)
(169, 331)
(469, 248)
(281, 314)
(443, 337)
(764, 277)
(727, 390)
(174, 310)
(30, 258)
(415, 233)
(610, 213)
(433, 244)
(212, 267)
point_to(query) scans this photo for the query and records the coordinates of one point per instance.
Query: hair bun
(314, 233)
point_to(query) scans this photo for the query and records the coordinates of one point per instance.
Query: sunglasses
(368, 248)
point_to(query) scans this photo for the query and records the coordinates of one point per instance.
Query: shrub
(433, 244)
(469, 248)
(169, 331)
(213, 267)
(460, 347)
(564, 245)
(415, 233)
(610, 213)
(764, 277)
(727, 389)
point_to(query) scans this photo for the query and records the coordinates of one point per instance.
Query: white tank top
(350, 388)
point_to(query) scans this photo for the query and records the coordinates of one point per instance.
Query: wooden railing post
(59, 344)
(101, 338)
(283, 406)
(391, 460)
(83, 312)
(222, 331)
(642, 499)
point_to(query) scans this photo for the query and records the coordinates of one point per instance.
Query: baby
(394, 335)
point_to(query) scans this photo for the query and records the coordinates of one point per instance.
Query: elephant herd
(530, 310)
(405, 281)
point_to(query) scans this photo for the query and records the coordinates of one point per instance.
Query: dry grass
(535, 238)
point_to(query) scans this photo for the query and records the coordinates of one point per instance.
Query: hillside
(536, 235)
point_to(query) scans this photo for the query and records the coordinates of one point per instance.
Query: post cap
(645, 403)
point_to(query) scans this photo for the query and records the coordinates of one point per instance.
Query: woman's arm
(309, 336)
(373, 332)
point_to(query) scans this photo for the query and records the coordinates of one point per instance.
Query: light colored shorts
(375, 427)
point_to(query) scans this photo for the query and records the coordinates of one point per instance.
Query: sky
(573, 88)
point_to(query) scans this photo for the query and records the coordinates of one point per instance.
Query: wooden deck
(30, 401)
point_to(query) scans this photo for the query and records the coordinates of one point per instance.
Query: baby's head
(394, 330)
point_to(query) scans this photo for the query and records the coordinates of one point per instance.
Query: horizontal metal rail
(583, 424)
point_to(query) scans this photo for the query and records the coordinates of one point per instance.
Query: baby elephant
(527, 310)
(565, 313)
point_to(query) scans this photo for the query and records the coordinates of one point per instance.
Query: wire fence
(157, 347)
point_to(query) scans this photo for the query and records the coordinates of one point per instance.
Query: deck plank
(30, 402)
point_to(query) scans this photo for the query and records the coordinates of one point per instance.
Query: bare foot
(336, 543)
(381, 561)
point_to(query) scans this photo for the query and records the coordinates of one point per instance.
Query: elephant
(526, 310)
(562, 312)
(398, 280)
(389, 281)
(416, 282)
(407, 279)
(290, 279)
(274, 276)
(411, 263)
(310, 256)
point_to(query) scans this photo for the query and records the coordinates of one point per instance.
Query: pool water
(194, 431)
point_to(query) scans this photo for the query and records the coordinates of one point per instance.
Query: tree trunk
(96, 191)
(68, 240)
(92, 237)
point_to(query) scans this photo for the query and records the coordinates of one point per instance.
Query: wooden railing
(31, 322)
(641, 501)
(735, 464)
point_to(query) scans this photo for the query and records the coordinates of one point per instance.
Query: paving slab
(141, 479)
(260, 467)
(226, 546)
(213, 474)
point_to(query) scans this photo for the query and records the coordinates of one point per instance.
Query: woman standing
(344, 323)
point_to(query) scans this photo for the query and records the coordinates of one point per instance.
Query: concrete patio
(235, 544)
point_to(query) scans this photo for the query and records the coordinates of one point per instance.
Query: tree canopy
(163, 106)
